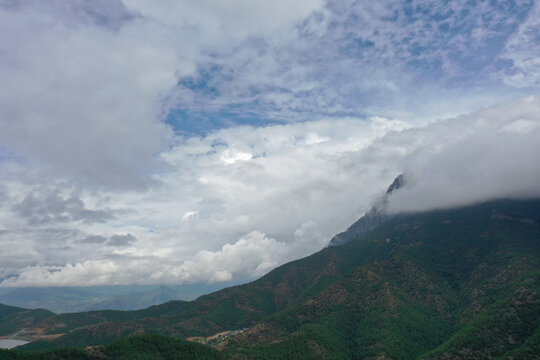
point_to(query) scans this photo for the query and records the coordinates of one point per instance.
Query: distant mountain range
(56, 299)
(449, 284)
(138, 300)
(77, 299)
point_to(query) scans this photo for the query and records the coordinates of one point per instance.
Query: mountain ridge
(68, 299)
(386, 307)
(458, 259)
(14, 318)
(374, 217)
(419, 285)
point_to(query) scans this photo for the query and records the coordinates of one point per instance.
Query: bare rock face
(373, 218)
(397, 184)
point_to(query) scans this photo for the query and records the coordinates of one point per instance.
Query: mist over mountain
(53, 299)
(492, 158)
(427, 285)
(159, 143)
(377, 215)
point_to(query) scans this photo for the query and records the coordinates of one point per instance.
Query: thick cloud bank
(203, 141)
(490, 154)
(237, 203)
(86, 85)
(231, 205)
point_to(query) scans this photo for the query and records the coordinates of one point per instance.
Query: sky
(174, 142)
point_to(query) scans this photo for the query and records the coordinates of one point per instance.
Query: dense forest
(149, 346)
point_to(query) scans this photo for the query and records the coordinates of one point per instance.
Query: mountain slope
(147, 347)
(87, 298)
(232, 308)
(373, 218)
(407, 289)
(452, 284)
(14, 319)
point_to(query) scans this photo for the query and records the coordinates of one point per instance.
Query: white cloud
(365, 58)
(86, 87)
(87, 273)
(522, 49)
(84, 99)
(233, 19)
(253, 255)
(211, 220)
(232, 156)
(489, 154)
(189, 215)
(274, 205)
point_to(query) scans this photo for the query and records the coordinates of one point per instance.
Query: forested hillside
(459, 284)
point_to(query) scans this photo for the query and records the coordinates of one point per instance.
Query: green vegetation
(14, 319)
(144, 347)
(57, 354)
(149, 347)
(457, 284)
(453, 284)
(508, 327)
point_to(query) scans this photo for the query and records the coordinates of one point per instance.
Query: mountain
(14, 319)
(454, 284)
(57, 299)
(373, 218)
(139, 300)
(119, 297)
(460, 284)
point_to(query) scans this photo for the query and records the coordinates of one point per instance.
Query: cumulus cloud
(83, 99)
(86, 273)
(215, 220)
(253, 255)
(103, 166)
(86, 85)
(270, 207)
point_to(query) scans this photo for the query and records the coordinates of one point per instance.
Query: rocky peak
(397, 184)
(373, 218)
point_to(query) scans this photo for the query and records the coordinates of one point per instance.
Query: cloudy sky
(167, 141)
